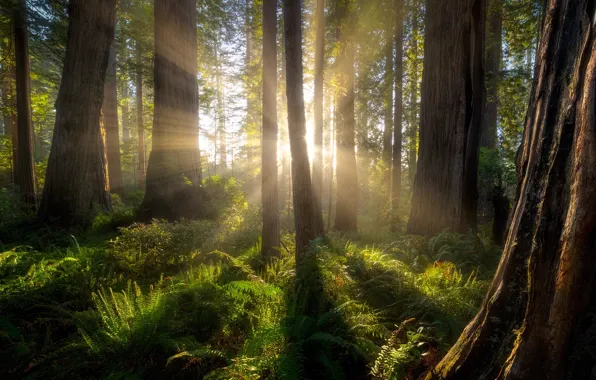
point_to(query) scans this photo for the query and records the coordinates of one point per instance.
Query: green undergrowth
(194, 299)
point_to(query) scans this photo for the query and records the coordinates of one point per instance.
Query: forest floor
(193, 299)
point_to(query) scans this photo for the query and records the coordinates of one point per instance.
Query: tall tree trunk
(537, 316)
(270, 201)
(125, 113)
(494, 55)
(388, 96)
(173, 188)
(445, 193)
(110, 117)
(346, 215)
(398, 106)
(140, 122)
(24, 173)
(414, 122)
(301, 183)
(76, 174)
(317, 170)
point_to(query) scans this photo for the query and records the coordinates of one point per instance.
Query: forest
(298, 189)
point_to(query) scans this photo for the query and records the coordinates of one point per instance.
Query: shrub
(148, 250)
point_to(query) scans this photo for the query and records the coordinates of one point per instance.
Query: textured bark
(537, 317)
(445, 193)
(494, 41)
(110, 117)
(173, 189)
(398, 106)
(301, 183)
(388, 96)
(270, 201)
(140, 122)
(413, 132)
(76, 174)
(317, 169)
(346, 214)
(24, 173)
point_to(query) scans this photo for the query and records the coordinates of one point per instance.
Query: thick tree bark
(537, 315)
(173, 189)
(346, 214)
(317, 169)
(24, 173)
(398, 106)
(76, 174)
(110, 117)
(414, 122)
(301, 183)
(270, 201)
(494, 55)
(140, 122)
(445, 193)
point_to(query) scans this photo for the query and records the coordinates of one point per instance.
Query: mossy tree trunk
(537, 320)
(445, 189)
(76, 180)
(173, 188)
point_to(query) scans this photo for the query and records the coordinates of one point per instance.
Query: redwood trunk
(24, 173)
(173, 189)
(445, 194)
(76, 178)
(494, 55)
(538, 326)
(301, 183)
(110, 117)
(317, 170)
(397, 133)
(346, 214)
(270, 201)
